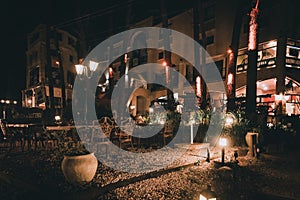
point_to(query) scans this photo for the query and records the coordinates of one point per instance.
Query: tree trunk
(234, 47)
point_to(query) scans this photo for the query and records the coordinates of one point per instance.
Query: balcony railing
(265, 63)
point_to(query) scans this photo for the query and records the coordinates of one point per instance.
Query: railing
(292, 62)
(266, 63)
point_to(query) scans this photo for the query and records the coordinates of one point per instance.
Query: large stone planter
(252, 141)
(79, 169)
(248, 138)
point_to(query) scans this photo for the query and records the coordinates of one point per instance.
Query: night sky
(21, 17)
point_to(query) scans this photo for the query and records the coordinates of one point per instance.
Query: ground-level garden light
(223, 144)
(208, 194)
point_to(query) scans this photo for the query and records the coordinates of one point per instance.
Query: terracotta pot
(248, 138)
(79, 169)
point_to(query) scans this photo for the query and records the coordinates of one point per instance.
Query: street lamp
(223, 144)
(86, 72)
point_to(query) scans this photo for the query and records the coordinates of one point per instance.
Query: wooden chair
(102, 138)
(83, 137)
(39, 136)
(125, 132)
(167, 131)
(10, 137)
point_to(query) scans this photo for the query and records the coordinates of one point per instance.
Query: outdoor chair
(102, 130)
(84, 137)
(39, 137)
(10, 137)
(167, 132)
(125, 132)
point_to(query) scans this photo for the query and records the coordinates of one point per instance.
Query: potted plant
(79, 166)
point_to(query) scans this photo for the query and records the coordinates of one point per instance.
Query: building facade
(278, 57)
(50, 73)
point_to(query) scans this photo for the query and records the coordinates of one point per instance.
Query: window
(56, 77)
(71, 58)
(221, 68)
(71, 41)
(59, 36)
(57, 102)
(209, 12)
(160, 55)
(294, 52)
(70, 78)
(40, 95)
(34, 76)
(210, 40)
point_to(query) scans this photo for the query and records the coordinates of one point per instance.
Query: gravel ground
(37, 175)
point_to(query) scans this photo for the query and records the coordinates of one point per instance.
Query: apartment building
(278, 61)
(50, 73)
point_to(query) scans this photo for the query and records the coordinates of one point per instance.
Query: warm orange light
(125, 58)
(164, 64)
(110, 72)
(230, 79)
(198, 86)
(57, 118)
(57, 62)
(229, 51)
(253, 26)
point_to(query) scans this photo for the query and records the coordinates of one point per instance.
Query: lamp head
(93, 66)
(208, 194)
(79, 69)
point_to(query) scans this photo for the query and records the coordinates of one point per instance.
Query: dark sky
(20, 17)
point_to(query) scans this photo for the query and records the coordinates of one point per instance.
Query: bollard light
(208, 194)
(57, 118)
(223, 144)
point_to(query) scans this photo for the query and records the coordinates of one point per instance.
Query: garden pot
(249, 137)
(79, 169)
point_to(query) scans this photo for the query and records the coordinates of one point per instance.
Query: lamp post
(86, 72)
(223, 144)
